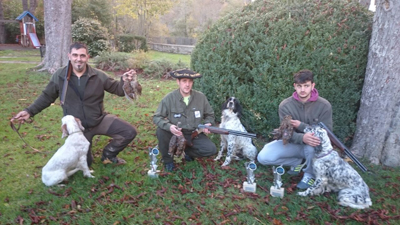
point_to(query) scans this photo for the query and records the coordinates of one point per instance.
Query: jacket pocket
(177, 115)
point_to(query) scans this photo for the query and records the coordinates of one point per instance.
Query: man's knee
(130, 133)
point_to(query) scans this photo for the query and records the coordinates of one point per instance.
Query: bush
(90, 32)
(253, 53)
(113, 61)
(129, 43)
(160, 68)
(141, 60)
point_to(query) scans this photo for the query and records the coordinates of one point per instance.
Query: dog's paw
(225, 164)
(303, 193)
(217, 158)
(91, 171)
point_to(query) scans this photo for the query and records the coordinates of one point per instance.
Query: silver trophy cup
(250, 167)
(250, 185)
(277, 190)
(153, 152)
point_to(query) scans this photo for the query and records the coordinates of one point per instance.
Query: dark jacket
(172, 110)
(89, 108)
(316, 109)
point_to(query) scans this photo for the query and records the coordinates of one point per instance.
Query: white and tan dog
(69, 158)
(230, 119)
(334, 174)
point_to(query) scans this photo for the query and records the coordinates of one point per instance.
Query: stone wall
(170, 48)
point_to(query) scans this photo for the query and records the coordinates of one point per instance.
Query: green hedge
(128, 43)
(252, 54)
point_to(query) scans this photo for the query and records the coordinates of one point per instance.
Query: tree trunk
(2, 25)
(377, 136)
(25, 5)
(32, 6)
(365, 3)
(57, 30)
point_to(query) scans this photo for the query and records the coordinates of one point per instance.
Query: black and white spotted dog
(334, 174)
(236, 145)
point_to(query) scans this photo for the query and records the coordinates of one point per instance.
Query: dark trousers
(202, 145)
(121, 132)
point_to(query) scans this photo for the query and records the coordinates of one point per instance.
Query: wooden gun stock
(342, 147)
(217, 130)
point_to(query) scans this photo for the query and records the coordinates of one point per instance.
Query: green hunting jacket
(89, 108)
(315, 110)
(172, 110)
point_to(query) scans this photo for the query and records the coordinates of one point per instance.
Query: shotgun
(217, 130)
(342, 147)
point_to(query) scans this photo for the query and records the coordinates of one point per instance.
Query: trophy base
(153, 174)
(277, 192)
(249, 187)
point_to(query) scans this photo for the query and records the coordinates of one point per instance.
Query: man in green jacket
(189, 108)
(84, 100)
(306, 108)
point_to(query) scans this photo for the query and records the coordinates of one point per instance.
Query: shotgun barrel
(342, 147)
(217, 130)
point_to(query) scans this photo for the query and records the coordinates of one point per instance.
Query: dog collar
(321, 156)
(79, 131)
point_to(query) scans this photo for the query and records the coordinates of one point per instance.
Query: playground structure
(28, 37)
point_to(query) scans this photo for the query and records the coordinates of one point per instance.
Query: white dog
(334, 174)
(71, 157)
(230, 119)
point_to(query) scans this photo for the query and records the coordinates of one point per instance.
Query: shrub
(141, 60)
(129, 43)
(113, 61)
(252, 54)
(161, 67)
(90, 32)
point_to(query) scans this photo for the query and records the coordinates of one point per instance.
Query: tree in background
(377, 136)
(190, 18)
(2, 24)
(143, 11)
(31, 7)
(100, 10)
(57, 28)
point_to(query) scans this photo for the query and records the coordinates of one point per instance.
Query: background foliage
(128, 43)
(253, 53)
(92, 33)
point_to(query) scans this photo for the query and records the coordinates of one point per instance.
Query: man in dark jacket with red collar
(306, 108)
(84, 100)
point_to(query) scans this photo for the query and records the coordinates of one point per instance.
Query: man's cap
(185, 73)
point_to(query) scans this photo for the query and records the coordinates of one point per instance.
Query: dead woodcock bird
(284, 131)
(177, 146)
(132, 89)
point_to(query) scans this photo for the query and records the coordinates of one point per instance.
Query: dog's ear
(238, 108)
(64, 131)
(223, 106)
(80, 124)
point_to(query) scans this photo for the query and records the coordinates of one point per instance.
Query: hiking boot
(188, 158)
(115, 160)
(169, 167)
(306, 182)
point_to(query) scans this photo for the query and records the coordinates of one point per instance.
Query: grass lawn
(172, 57)
(199, 192)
